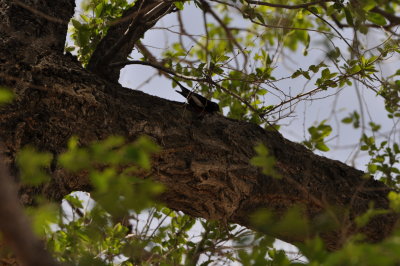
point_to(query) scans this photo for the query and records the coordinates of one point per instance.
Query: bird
(197, 101)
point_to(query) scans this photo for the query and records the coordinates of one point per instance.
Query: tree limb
(122, 36)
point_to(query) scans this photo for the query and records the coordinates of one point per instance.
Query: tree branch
(122, 37)
(305, 5)
(157, 66)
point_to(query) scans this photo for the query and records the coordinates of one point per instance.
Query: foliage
(318, 135)
(264, 160)
(88, 30)
(6, 96)
(116, 222)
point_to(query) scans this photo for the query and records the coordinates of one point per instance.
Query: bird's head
(213, 107)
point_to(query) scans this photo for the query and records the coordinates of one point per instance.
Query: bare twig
(209, 10)
(305, 5)
(160, 67)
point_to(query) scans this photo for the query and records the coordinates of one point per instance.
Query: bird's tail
(184, 91)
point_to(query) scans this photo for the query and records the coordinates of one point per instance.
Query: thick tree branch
(122, 36)
(43, 25)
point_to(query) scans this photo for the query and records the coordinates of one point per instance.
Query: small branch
(109, 54)
(289, 28)
(184, 32)
(305, 5)
(332, 27)
(160, 67)
(207, 36)
(147, 54)
(208, 9)
(122, 36)
(149, 11)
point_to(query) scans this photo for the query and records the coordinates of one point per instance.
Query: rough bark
(124, 34)
(204, 162)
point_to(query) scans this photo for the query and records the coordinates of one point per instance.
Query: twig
(305, 5)
(160, 67)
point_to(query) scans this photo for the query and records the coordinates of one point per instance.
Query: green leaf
(75, 159)
(372, 168)
(368, 4)
(85, 18)
(76, 23)
(321, 146)
(325, 73)
(376, 18)
(99, 9)
(101, 180)
(314, 68)
(313, 9)
(33, 165)
(306, 75)
(179, 5)
(265, 161)
(347, 120)
(296, 74)
(366, 217)
(349, 17)
(43, 216)
(394, 199)
(355, 69)
(6, 95)
(262, 92)
(74, 201)
(260, 18)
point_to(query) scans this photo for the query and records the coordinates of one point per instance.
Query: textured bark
(204, 163)
(124, 34)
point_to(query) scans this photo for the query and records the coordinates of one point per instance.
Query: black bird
(198, 102)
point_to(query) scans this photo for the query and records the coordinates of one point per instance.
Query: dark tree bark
(204, 163)
(124, 34)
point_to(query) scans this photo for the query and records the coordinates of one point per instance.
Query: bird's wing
(196, 100)
(183, 88)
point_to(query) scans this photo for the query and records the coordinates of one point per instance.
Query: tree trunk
(205, 161)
